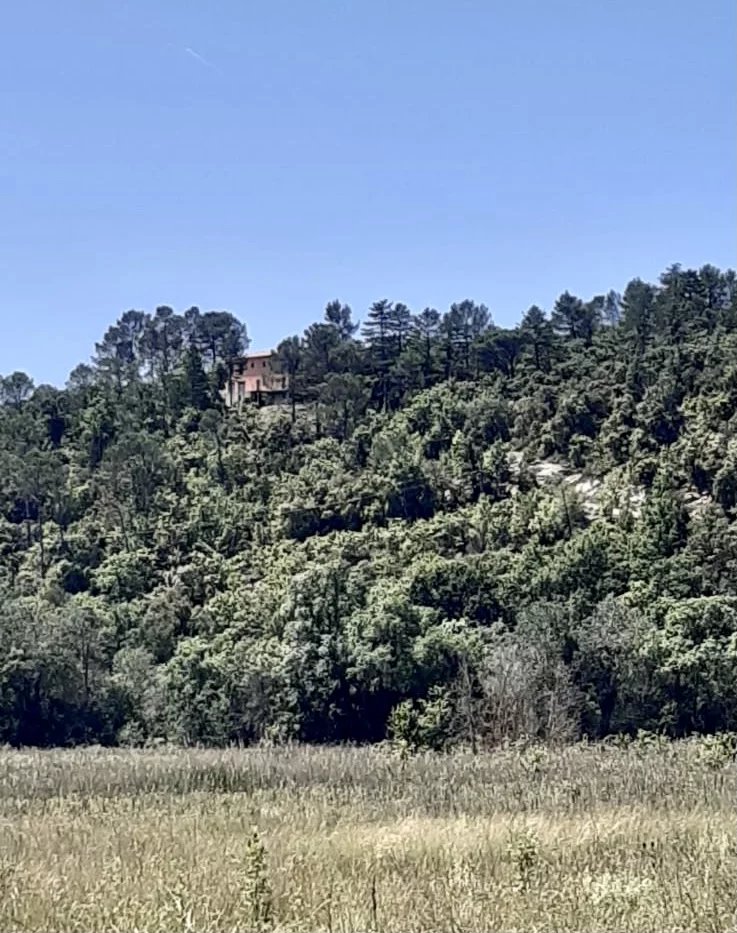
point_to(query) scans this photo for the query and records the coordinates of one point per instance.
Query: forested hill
(456, 532)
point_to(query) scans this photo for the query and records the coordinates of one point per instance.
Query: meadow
(587, 837)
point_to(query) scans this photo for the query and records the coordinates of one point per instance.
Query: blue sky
(265, 157)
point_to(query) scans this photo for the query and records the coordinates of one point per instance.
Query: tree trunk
(41, 543)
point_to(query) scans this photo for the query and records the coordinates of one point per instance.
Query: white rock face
(588, 490)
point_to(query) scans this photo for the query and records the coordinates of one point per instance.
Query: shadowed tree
(289, 356)
(119, 355)
(15, 389)
(638, 311)
(377, 332)
(340, 317)
(425, 330)
(537, 333)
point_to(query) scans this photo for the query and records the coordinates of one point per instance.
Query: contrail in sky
(201, 59)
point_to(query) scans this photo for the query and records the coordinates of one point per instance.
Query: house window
(241, 390)
(253, 365)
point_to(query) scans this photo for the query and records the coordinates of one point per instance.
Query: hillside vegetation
(454, 532)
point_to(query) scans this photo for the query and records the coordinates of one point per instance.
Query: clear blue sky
(265, 157)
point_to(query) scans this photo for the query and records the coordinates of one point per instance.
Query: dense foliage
(453, 530)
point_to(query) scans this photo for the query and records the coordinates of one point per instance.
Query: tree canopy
(452, 531)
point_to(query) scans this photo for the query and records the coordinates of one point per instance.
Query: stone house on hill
(255, 377)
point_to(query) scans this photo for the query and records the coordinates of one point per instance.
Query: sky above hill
(266, 157)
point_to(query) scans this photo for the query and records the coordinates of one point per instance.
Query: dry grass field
(582, 838)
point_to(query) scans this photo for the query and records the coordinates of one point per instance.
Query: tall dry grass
(582, 838)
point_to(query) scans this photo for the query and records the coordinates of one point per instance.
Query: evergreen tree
(536, 332)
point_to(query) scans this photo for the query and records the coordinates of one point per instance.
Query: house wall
(255, 375)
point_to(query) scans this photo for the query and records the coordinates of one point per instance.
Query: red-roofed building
(255, 377)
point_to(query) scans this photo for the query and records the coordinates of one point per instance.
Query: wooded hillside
(454, 531)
